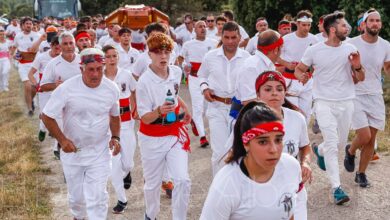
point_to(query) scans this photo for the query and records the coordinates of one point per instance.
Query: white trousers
(158, 153)
(5, 67)
(334, 119)
(301, 207)
(220, 124)
(43, 97)
(23, 69)
(87, 189)
(123, 163)
(197, 101)
(301, 96)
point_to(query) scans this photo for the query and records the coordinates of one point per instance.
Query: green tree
(249, 10)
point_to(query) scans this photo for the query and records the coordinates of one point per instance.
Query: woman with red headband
(259, 181)
(271, 89)
(162, 137)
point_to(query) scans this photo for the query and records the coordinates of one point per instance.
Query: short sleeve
(304, 137)
(140, 65)
(36, 63)
(243, 33)
(132, 83)
(387, 51)
(144, 103)
(246, 85)
(307, 58)
(55, 106)
(48, 74)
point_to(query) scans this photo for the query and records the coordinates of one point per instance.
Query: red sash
(177, 129)
(138, 46)
(38, 88)
(4, 54)
(195, 68)
(123, 103)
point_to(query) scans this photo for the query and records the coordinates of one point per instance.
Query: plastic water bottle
(171, 116)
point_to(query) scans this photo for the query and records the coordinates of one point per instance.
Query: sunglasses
(92, 58)
(210, 20)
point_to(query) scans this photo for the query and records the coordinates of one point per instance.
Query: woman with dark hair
(259, 181)
(271, 89)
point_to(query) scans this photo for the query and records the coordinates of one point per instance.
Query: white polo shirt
(372, 56)
(86, 115)
(234, 196)
(294, 47)
(152, 90)
(60, 69)
(4, 48)
(295, 128)
(24, 41)
(111, 42)
(185, 35)
(332, 79)
(220, 74)
(195, 50)
(211, 32)
(251, 69)
(127, 58)
(251, 47)
(320, 37)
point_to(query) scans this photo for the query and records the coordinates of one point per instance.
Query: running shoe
(340, 197)
(204, 142)
(31, 113)
(167, 187)
(119, 208)
(320, 159)
(361, 179)
(127, 181)
(375, 156)
(349, 160)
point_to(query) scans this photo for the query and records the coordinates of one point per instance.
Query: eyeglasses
(92, 58)
(210, 20)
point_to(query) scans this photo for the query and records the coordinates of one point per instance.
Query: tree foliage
(249, 10)
(16, 8)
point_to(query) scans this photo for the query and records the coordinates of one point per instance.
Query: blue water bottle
(171, 116)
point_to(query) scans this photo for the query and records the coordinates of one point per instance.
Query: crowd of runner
(92, 82)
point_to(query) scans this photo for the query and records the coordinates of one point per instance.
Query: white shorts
(23, 70)
(369, 112)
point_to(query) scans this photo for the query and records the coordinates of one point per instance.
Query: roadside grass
(23, 191)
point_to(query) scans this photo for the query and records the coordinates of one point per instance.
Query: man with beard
(295, 45)
(369, 115)
(211, 29)
(261, 26)
(23, 42)
(192, 53)
(217, 76)
(83, 40)
(187, 33)
(337, 66)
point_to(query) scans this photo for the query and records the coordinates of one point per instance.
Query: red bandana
(272, 46)
(82, 35)
(284, 26)
(261, 129)
(269, 76)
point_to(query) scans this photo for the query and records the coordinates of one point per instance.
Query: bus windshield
(57, 8)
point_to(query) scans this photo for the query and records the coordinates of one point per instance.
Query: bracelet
(116, 138)
(358, 69)
(159, 111)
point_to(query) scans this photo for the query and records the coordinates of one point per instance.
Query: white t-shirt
(86, 115)
(11, 29)
(4, 48)
(234, 196)
(152, 90)
(103, 40)
(243, 33)
(127, 59)
(44, 46)
(372, 57)
(251, 69)
(320, 37)
(194, 50)
(294, 47)
(112, 43)
(185, 35)
(219, 73)
(211, 32)
(60, 69)
(251, 47)
(137, 37)
(41, 60)
(332, 79)
(24, 41)
(296, 135)
(143, 61)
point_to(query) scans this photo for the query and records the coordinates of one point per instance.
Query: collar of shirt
(155, 78)
(266, 60)
(239, 53)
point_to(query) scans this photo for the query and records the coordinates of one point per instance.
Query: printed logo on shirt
(176, 86)
(131, 59)
(31, 39)
(290, 145)
(286, 202)
(123, 86)
(208, 48)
